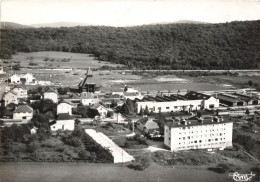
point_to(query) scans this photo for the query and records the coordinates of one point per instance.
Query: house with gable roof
(23, 112)
(89, 98)
(65, 107)
(63, 122)
(21, 91)
(15, 79)
(102, 110)
(51, 94)
(10, 97)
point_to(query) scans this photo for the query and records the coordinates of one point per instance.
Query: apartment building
(198, 133)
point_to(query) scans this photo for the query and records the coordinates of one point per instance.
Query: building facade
(198, 134)
(52, 95)
(64, 122)
(24, 113)
(10, 97)
(64, 107)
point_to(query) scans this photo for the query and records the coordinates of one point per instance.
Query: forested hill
(234, 45)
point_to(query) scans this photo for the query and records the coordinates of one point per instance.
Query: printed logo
(241, 177)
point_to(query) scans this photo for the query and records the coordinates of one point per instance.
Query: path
(118, 153)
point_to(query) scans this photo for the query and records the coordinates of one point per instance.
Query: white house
(10, 97)
(2, 70)
(64, 122)
(198, 133)
(101, 110)
(24, 113)
(89, 98)
(29, 78)
(20, 91)
(15, 79)
(64, 107)
(147, 124)
(52, 95)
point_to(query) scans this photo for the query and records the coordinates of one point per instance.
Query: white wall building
(20, 91)
(10, 97)
(89, 99)
(15, 79)
(28, 78)
(24, 113)
(52, 95)
(190, 102)
(64, 107)
(101, 110)
(198, 134)
(64, 122)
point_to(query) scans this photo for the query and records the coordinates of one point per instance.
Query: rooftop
(64, 116)
(194, 121)
(23, 109)
(51, 90)
(191, 95)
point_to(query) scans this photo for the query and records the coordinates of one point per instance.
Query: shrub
(217, 170)
(142, 164)
(84, 155)
(33, 146)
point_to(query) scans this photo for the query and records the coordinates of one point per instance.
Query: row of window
(203, 126)
(202, 131)
(201, 141)
(200, 136)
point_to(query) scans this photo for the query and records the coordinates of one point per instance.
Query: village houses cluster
(181, 132)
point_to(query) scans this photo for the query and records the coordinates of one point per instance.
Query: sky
(128, 12)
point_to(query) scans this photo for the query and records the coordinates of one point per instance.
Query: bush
(33, 146)
(72, 141)
(219, 170)
(84, 155)
(142, 164)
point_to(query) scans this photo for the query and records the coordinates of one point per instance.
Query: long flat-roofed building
(198, 133)
(189, 102)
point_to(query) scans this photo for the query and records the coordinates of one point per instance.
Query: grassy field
(70, 69)
(59, 60)
(66, 172)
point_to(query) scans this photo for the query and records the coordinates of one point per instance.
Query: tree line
(234, 45)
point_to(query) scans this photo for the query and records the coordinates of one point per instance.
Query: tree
(247, 111)
(141, 111)
(41, 122)
(250, 83)
(199, 114)
(110, 114)
(146, 110)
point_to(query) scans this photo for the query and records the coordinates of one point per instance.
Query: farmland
(68, 69)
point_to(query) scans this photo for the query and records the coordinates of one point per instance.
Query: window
(183, 138)
(216, 139)
(209, 140)
(24, 117)
(188, 137)
(175, 107)
(200, 141)
(167, 107)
